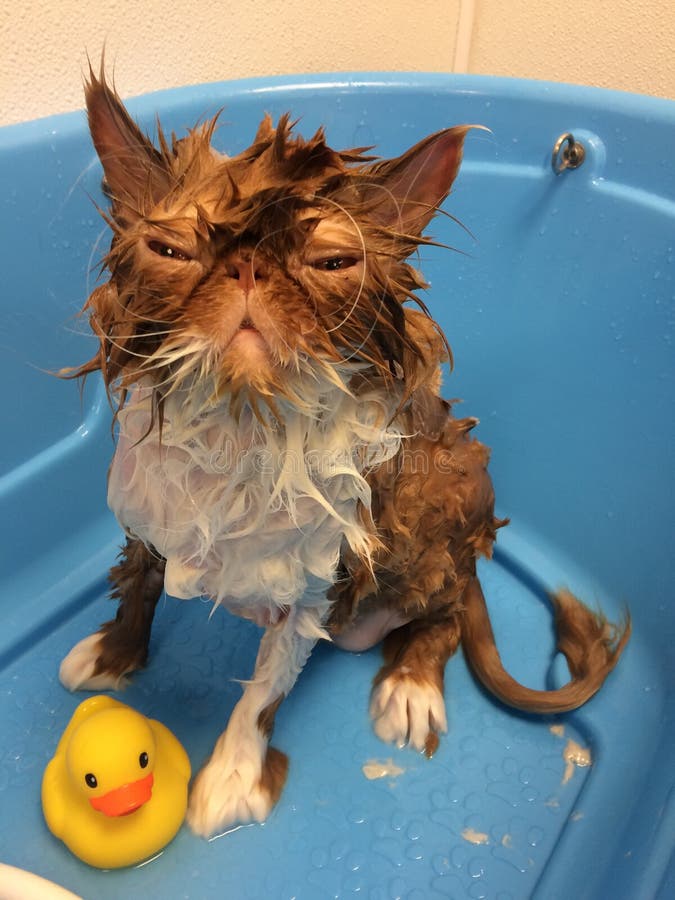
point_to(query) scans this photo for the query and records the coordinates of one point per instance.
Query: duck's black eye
(91, 780)
(143, 760)
(168, 252)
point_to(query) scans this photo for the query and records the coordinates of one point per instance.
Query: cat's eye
(335, 263)
(168, 252)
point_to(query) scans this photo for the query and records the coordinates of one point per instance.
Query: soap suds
(475, 837)
(375, 768)
(575, 755)
(557, 730)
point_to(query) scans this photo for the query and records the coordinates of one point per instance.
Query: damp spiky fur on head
(280, 201)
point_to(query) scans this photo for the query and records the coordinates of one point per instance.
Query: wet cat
(282, 444)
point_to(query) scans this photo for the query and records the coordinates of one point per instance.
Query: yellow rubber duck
(115, 791)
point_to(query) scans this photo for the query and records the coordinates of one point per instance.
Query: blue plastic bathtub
(560, 311)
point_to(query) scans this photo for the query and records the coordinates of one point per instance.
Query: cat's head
(244, 271)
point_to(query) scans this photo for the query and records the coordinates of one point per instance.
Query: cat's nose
(247, 270)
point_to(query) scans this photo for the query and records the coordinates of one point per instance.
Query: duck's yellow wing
(55, 796)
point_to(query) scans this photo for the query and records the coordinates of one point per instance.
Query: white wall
(163, 43)
(628, 45)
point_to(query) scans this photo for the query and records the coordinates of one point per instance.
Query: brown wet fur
(275, 766)
(432, 505)
(434, 512)
(591, 645)
(138, 582)
(263, 204)
(267, 715)
(420, 651)
(274, 773)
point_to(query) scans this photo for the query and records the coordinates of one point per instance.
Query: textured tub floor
(479, 820)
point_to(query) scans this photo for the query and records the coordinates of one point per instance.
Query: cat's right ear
(135, 171)
(405, 193)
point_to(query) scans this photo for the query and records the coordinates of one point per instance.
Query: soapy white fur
(251, 514)
(229, 787)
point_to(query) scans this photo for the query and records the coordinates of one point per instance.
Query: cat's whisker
(71, 190)
(133, 313)
(72, 329)
(364, 270)
(168, 364)
(145, 335)
(124, 349)
(355, 352)
(93, 254)
(130, 311)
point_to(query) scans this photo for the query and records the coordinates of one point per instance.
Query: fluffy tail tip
(591, 643)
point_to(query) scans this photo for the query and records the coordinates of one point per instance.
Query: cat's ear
(135, 171)
(405, 192)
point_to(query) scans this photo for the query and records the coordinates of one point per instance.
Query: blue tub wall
(560, 315)
(560, 311)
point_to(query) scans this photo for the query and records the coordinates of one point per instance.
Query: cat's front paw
(225, 794)
(407, 711)
(80, 671)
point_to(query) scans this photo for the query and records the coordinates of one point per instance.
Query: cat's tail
(591, 645)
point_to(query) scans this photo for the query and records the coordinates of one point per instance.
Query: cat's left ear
(135, 170)
(404, 193)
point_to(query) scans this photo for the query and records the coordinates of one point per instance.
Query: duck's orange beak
(125, 799)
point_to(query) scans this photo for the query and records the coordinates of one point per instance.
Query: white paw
(77, 669)
(229, 789)
(405, 711)
(219, 800)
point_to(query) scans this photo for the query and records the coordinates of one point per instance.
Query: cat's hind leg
(407, 705)
(102, 660)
